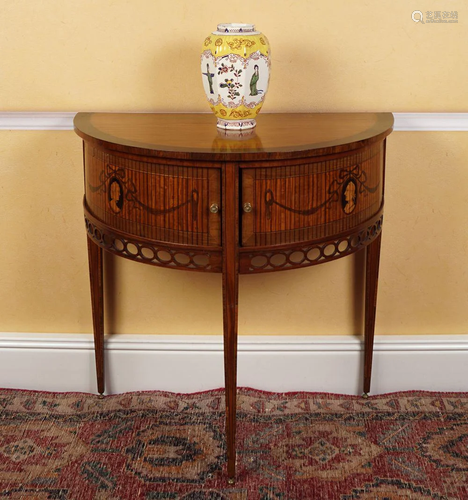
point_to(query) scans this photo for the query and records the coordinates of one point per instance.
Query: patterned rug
(155, 445)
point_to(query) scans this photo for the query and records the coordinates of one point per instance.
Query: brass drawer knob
(214, 208)
(247, 207)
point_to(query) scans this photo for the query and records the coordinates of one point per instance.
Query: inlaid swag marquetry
(291, 203)
(156, 201)
(310, 201)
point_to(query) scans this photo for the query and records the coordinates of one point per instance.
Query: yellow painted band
(242, 44)
(239, 113)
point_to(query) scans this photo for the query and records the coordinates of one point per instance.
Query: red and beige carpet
(154, 445)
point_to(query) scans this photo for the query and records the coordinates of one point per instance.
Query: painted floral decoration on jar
(235, 66)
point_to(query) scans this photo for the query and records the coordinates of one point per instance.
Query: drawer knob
(214, 208)
(247, 207)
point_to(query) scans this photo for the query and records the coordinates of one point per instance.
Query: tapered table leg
(372, 275)
(97, 304)
(230, 293)
(230, 302)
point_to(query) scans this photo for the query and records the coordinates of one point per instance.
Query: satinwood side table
(172, 190)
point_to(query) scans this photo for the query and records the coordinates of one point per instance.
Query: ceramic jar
(235, 66)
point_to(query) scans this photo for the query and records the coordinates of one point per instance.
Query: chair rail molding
(422, 122)
(22, 120)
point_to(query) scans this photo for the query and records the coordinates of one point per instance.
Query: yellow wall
(143, 56)
(79, 55)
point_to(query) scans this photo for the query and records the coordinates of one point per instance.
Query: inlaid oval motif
(349, 196)
(115, 195)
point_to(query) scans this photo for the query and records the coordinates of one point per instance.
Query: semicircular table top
(176, 135)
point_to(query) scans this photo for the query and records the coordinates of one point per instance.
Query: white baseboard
(422, 122)
(65, 362)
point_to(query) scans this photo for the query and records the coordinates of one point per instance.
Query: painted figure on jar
(210, 76)
(254, 80)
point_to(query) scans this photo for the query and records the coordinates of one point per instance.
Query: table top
(195, 136)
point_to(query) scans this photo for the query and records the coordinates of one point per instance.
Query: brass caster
(101, 396)
(231, 480)
(365, 395)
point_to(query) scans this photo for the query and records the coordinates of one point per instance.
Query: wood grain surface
(195, 136)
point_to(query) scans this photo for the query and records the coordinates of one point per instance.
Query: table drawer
(311, 201)
(152, 199)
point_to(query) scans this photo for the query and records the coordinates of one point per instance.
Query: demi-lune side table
(172, 190)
